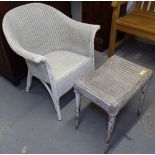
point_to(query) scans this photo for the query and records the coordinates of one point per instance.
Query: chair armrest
(24, 53)
(118, 3)
(16, 46)
(116, 10)
(28, 55)
(81, 36)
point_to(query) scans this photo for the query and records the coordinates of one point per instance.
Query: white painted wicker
(57, 49)
(111, 86)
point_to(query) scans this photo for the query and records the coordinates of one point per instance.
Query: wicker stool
(111, 86)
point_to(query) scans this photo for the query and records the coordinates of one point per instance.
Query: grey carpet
(28, 122)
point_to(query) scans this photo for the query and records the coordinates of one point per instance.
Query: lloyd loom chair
(139, 22)
(57, 49)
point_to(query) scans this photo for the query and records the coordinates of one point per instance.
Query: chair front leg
(55, 100)
(57, 107)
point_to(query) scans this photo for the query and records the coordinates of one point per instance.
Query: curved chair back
(37, 27)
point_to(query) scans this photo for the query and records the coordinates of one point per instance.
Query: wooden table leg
(77, 109)
(111, 124)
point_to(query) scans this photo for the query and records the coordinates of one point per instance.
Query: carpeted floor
(28, 122)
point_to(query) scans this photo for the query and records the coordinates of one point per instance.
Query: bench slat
(152, 6)
(138, 5)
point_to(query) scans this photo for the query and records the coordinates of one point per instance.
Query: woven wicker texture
(57, 49)
(41, 29)
(114, 83)
(110, 87)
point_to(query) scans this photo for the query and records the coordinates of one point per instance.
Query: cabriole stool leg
(142, 95)
(111, 124)
(77, 109)
(141, 100)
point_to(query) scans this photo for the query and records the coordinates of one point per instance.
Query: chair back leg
(113, 33)
(112, 43)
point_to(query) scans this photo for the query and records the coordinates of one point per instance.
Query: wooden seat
(140, 22)
(137, 22)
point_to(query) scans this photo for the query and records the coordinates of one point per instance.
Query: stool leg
(111, 124)
(77, 109)
(142, 94)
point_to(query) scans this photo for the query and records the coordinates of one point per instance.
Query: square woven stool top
(114, 83)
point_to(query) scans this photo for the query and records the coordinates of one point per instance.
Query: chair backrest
(145, 6)
(37, 27)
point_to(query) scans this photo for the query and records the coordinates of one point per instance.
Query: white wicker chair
(57, 49)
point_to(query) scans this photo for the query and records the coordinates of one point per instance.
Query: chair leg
(55, 100)
(77, 109)
(111, 124)
(57, 108)
(112, 43)
(58, 112)
(29, 81)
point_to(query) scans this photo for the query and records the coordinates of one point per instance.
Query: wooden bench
(139, 22)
